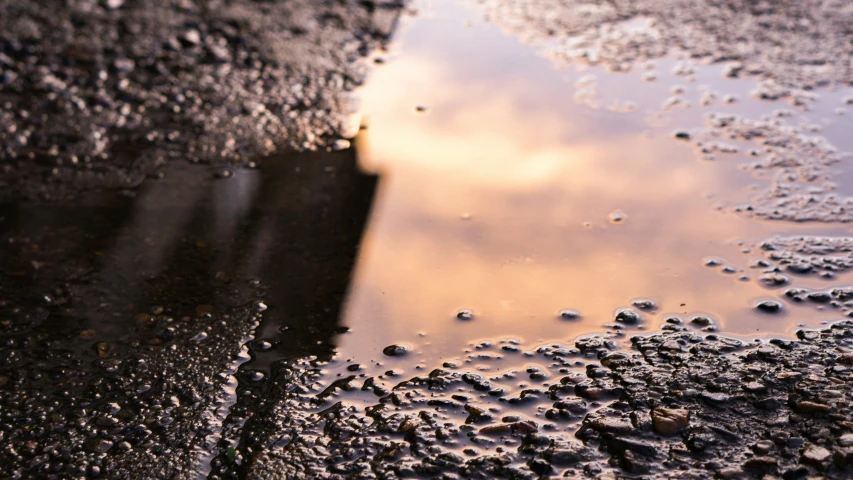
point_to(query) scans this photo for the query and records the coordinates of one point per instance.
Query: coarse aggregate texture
(99, 94)
(676, 404)
(792, 45)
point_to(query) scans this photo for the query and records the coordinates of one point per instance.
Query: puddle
(502, 198)
(503, 217)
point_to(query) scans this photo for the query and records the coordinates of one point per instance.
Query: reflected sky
(497, 198)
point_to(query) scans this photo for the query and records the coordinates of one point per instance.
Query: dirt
(101, 94)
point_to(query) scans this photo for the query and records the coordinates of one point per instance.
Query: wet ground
(568, 240)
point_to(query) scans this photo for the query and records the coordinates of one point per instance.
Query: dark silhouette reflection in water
(190, 243)
(120, 276)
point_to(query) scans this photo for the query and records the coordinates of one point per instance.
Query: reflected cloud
(497, 199)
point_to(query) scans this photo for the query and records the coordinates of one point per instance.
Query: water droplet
(262, 306)
(341, 144)
(421, 108)
(256, 376)
(200, 337)
(569, 314)
(465, 315)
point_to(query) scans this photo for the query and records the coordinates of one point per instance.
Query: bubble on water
(256, 376)
(262, 306)
(465, 315)
(263, 345)
(422, 108)
(681, 135)
(617, 216)
(569, 314)
(465, 216)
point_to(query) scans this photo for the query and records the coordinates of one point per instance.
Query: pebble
(815, 454)
(395, 350)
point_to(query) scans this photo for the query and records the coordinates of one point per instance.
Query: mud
(678, 404)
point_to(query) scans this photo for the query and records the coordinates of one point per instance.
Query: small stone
(669, 421)
(610, 425)
(769, 306)
(815, 455)
(763, 447)
(395, 350)
(190, 37)
(628, 316)
(812, 407)
(408, 425)
(764, 464)
(97, 445)
(644, 304)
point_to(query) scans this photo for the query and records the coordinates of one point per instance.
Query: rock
(730, 473)
(99, 445)
(761, 464)
(633, 463)
(812, 407)
(540, 466)
(610, 425)
(628, 316)
(395, 350)
(714, 398)
(408, 425)
(769, 306)
(846, 359)
(669, 421)
(843, 457)
(568, 453)
(190, 38)
(815, 455)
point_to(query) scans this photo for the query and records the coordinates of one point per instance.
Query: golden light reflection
(496, 199)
